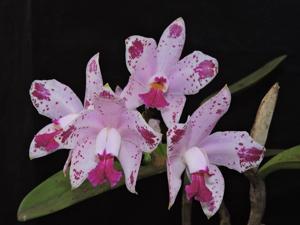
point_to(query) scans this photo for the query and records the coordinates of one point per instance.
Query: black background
(55, 39)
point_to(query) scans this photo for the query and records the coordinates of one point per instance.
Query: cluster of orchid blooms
(108, 126)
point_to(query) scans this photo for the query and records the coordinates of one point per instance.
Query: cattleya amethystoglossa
(106, 132)
(96, 133)
(158, 78)
(58, 102)
(191, 146)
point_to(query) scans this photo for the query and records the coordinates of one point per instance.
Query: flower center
(155, 98)
(108, 144)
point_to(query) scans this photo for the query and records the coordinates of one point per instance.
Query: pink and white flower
(158, 78)
(193, 148)
(107, 132)
(58, 102)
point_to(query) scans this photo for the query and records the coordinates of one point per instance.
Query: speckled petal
(93, 80)
(175, 164)
(233, 149)
(83, 161)
(204, 119)
(132, 91)
(140, 57)
(44, 141)
(172, 113)
(135, 129)
(130, 156)
(192, 73)
(54, 99)
(170, 46)
(215, 183)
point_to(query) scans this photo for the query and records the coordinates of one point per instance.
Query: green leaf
(256, 75)
(55, 193)
(288, 159)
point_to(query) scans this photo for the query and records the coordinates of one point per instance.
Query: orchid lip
(159, 82)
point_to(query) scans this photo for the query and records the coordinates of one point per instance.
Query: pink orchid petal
(172, 113)
(135, 129)
(175, 164)
(154, 98)
(131, 93)
(140, 57)
(88, 123)
(233, 149)
(110, 108)
(83, 161)
(93, 80)
(130, 157)
(204, 119)
(54, 99)
(44, 142)
(192, 73)
(170, 46)
(214, 182)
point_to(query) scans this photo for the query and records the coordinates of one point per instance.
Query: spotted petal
(93, 80)
(44, 142)
(215, 183)
(54, 99)
(233, 149)
(131, 93)
(136, 130)
(171, 113)
(192, 73)
(204, 119)
(83, 161)
(130, 156)
(175, 164)
(140, 57)
(170, 46)
(88, 123)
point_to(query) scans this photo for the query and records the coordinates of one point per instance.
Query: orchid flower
(158, 79)
(190, 146)
(58, 102)
(107, 132)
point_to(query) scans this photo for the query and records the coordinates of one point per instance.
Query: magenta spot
(104, 171)
(47, 141)
(178, 134)
(198, 189)
(41, 92)
(205, 69)
(154, 98)
(106, 94)
(66, 134)
(249, 154)
(131, 178)
(93, 66)
(175, 30)
(219, 111)
(147, 135)
(136, 49)
(87, 103)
